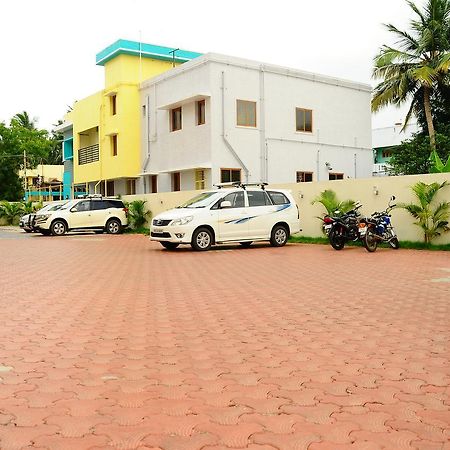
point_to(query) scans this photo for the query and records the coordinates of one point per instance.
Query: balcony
(380, 169)
(87, 155)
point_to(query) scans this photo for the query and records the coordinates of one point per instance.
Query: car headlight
(43, 217)
(181, 221)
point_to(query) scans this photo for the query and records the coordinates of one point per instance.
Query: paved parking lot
(112, 342)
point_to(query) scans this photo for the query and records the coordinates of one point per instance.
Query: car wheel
(113, 226)
(279, 236)
(202, 239)
(27, 231)
(58, 228)
(169, 245)
(246, 244)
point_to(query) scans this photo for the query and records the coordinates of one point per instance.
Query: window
(278, 198)
(82, 206)
(335, 176)
(236, 199)
(258, 198)
(176, 181)
(199, 179)
(246, 113)
(175, 119)
(114, 144)
(113, 104)
(386, 153)
(88, 155)
(131, 187)
(304, 177)
(200, 111)
(230, 175)
(98, 204)
(154, 184)
(303, 119)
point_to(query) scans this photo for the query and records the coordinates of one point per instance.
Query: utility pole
(25, 172)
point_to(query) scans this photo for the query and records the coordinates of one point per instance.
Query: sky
(48, 47)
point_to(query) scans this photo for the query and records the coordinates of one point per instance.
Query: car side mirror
(225, 204)
(73, 209)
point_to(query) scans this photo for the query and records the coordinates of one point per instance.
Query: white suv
(237, 214)
(89, 213)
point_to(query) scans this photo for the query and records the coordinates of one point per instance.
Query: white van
(235, 214)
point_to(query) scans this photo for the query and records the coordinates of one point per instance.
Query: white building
(385, 139)
(219, 118)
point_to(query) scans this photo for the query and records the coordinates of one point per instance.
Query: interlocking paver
(124, 345)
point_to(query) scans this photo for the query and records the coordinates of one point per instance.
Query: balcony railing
(380, 169)
(87, 155)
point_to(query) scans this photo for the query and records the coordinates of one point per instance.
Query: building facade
(219, 118)
(102, 148)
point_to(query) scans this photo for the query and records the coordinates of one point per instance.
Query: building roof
(393, 135)
(227, 60)
(125, 47)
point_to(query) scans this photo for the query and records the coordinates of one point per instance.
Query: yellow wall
(128, 69)
(122, 77)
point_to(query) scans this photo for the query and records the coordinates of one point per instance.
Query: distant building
(43, 183)
(384, 140)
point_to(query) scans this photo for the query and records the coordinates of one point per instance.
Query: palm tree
(10, 211)
(331, 203)
(432, 219)
(23, 119)
(420, 64)
(137, 214)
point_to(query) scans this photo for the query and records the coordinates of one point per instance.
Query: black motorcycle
(345, 228)
(380, 229)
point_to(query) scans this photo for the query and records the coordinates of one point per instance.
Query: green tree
(328, 199)
(137, 214)
(20, 137)
(412, 156)
(415, 70)
(23, 120)
(431, 217)
(10, 211)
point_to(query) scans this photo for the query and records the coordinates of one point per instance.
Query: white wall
(273, 151)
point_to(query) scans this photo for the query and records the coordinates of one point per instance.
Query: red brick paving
(111, 342)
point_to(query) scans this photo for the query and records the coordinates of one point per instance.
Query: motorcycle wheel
(394, 243)
(337, 241)
(370, 241)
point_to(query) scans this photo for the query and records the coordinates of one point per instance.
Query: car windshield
(69, 204)
(200, 201)
(50, 207)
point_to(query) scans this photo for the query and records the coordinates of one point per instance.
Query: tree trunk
(429, 117)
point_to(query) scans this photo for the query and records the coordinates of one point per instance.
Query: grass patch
(403, 244)
(140, 230)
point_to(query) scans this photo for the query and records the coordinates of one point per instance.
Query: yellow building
(107, 125)
(45, 182)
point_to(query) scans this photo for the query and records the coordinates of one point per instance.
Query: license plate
(362, 230)
(157, 230)
(327, 227)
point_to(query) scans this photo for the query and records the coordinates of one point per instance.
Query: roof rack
(238, 184)
(229, 184)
